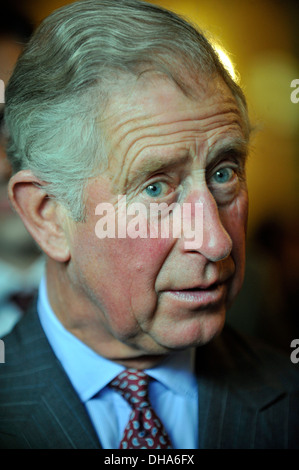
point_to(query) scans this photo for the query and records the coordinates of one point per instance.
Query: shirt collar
(89, 372)
(177, 373)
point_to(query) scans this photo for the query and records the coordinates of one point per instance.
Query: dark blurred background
(260, 39)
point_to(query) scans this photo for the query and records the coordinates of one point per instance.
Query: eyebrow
(158, 164)
(231, 146)
(237, 147)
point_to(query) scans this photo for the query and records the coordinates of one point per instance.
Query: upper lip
(212, 285)
(202, 286)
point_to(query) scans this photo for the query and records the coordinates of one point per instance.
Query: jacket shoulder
(39, 407)
(251, 387)
(238, 355)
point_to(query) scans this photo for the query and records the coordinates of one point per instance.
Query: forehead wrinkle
(201, 150)
(161, 130)
(127, 163)
(156, 121)
(194, 116)
(153, 163)
(198, 120)
(222, 121)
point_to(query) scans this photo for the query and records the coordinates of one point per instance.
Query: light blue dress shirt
(173, 393)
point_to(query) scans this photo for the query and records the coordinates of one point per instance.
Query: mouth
(199, 296)
(202, 287)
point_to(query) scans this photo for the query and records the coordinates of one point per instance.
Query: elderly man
(116, 104)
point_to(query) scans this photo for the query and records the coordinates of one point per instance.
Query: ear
(43, 217)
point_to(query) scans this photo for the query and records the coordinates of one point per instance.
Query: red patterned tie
(144, 429)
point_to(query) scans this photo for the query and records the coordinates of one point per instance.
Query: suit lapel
(233, 392)
(57, 417)
(60, 418)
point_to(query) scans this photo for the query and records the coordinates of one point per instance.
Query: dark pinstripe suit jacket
(248, 397)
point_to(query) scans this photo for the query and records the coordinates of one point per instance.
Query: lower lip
(199, 298)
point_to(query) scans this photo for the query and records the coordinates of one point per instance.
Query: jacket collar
(234, 387)
(236, 368)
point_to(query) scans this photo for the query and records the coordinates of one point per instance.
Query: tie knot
(133, 385)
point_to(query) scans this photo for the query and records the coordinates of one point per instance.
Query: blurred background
(260, 40)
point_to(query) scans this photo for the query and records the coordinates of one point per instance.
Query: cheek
(136, 264)
(235, 223)
(236, 220)
(130, 299)
(119, 275)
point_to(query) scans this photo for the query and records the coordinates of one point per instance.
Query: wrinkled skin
(136, 300)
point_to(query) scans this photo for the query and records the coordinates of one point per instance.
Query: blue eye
(223, 175)
(154, 189)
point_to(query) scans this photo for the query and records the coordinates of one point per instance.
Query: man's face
(155, 295)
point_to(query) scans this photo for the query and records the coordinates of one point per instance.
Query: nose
(212, 240)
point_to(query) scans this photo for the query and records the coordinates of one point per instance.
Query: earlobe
(41, 214)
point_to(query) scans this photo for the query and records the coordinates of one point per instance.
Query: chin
(192, 334)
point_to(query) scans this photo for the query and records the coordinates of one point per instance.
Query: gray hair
(57, 94)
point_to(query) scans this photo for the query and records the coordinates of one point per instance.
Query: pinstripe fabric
(247, 394)
(248, 397)
(38, 406)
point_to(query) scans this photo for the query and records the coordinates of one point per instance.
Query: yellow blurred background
(261, 39)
